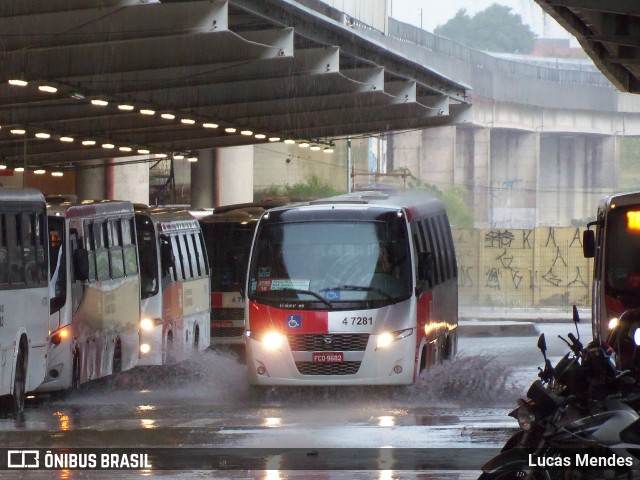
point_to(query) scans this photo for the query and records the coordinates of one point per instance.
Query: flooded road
(458, 409)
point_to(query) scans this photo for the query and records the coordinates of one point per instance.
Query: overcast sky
(438, 12)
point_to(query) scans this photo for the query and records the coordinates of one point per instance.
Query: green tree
(495, 29)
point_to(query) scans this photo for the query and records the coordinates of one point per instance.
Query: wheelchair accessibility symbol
(332, 294)
(294, 321)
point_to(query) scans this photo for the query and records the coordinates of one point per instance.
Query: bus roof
(169, 218)
(240, 212)
(416, 204)
(16, 194)
(624, 198)
(88, 208)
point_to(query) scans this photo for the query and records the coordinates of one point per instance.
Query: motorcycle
(578, 421)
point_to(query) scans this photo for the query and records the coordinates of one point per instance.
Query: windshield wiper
(359, 288)
(298, 290)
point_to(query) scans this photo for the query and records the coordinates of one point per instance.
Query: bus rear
(343, 292)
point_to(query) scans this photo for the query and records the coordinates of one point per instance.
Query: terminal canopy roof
(609, 31)
(92, 79)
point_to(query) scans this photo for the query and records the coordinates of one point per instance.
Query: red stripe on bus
(216, 299)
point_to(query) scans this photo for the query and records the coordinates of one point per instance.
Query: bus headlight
(272, 340)
(613, 323)
(149, 323)
(387, 338)
(59, 336)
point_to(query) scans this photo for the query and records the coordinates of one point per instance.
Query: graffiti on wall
(536, 267)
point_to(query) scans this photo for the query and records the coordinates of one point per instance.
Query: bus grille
(227, 314)
(227, 332)
(342, 368)
(336, 342)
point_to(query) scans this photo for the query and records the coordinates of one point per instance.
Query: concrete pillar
(129, 181)
(235, 175)
(90, 181)
(480, 157)
(437, 156)
(203, 180)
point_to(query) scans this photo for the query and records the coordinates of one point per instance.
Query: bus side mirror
(81, 264)
(589, 243)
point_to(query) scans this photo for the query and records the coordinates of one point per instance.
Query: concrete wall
(539, 267)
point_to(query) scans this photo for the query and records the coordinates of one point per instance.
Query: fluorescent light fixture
(57, 174)
(43, 135)
(18, 131)
(274, 139)
(125, 106)
(328, 149)
(187, 121)
(17, 82)
(303, 144)
(77, 96)
(161, 155)
(144, 151)
(147, 111)
(210, 125)
(108, 145)
(315, 147)
(88, 143)
(289, 141)
(168, 116)
(246, 133)
(18, 169)
(98, 102)
(230, 130)
(260, 136)
(47, 88)
(66, 139)
(192, 159)
(178, 157)
(40, 172)
(124, 149)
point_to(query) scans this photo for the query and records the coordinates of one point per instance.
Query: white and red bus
(95, 292)
(615, 246)
(174, 285)
(24, 295)
(358, 289)
(228, 234)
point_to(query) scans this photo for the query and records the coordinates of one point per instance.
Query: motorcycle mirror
(542, 345)
(576, 320)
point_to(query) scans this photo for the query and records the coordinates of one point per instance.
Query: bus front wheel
(13, 404)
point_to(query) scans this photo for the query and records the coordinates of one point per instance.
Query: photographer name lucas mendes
(580, 460)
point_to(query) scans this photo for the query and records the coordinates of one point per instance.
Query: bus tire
(117, 358)
(169, 354)
(423, 359)
(75, 371)
(196, 338)
(13, 404)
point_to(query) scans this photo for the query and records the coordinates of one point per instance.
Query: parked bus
(357, 289)
(95, 292)
(615, 247)
(228, 233)
(174, 285)
(24, 295)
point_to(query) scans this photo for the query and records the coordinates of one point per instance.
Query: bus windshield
(622, 255)
(331, 264)
(228, 246)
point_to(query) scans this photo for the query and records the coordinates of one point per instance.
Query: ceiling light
(43, 135)
(3, 167)
(192, 159)
(18, 169)
(168, 116)
(246, 132)
(187, 121)
(108, 145)
(210, 125)
(88, 143)
(303, 144)
(17, 82)
(18, 131)
(178, 157)
(125, 107)
(274, 139)
(99, 102)
(147, 111)
(143, 151)
(57, 174)
(230, 130)
(66, 139)
(77, 96)
(289, 141)
(124, 149)
(39, 172)
(315, 147)
(161, 155)
(260, 136)
(47, 88)
(328, 149)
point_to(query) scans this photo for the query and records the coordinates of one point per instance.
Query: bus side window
(80, 257)
(129, 247)
(116, 256)
(28, 248)
(40, 245)
(89, 246)
(178, 271)
(166, 256)
(186, 256)
(4, 258)
(102, 254)
(15, 250)
(201, 258)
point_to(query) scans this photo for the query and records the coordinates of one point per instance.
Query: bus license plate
(327, 357)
